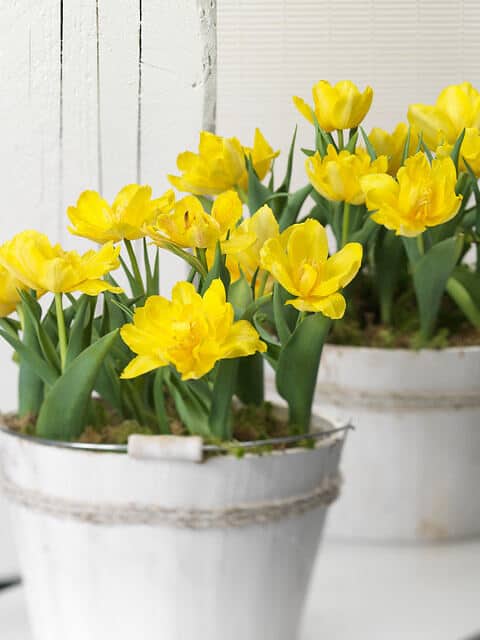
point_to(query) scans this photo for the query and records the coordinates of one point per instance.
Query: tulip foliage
(260, 284)
(410, 197)
(259, 288)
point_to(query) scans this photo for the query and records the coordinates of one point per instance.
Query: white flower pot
(413, 468)
(99, 561)
(8, 553)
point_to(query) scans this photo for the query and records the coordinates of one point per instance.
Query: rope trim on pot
(241, 515)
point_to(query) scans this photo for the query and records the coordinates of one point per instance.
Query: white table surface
(366, 593)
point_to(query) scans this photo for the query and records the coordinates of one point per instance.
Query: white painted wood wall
(102, 98)
(96, 94)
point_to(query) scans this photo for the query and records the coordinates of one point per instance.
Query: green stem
(262, 284)
(461, 297)
(300, 318)
(202, 256)
(135, 267)
(345, 223)
(62, 332)
(420, 244)
(242, 194)
(341, 142)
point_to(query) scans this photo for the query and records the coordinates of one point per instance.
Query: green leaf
(108, 384)
(280, 314)
(152, 275)
(476, 193)
(190, 406)
(250, 380)
(455, 154)
(366, 233)
(32, 309)
(258, 194)
(279, 205)
(297, 368)
(64, 410)
(159, 401)
(240, 295)
(352, 143)
(223, 390)
(430, 275)
(217, 270)
(426, 150)
(80, 335)
(406, 146)
(370, 150)
(308, 152)
(32, 364)
(207, 203)
(294, 204)
(390, 264)
(464, 288)
(262, 324)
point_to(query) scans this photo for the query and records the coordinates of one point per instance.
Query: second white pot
(98, 565)
(413, 466)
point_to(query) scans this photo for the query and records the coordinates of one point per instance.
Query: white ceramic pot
(100, 560)
(8, 554)
(413, 466)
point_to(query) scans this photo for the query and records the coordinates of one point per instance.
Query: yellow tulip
(190, 331)
(393, 144)
(246, 241)
(422, 196)
(125, 219)
(190, 226)
(37, 264)
(457, 107)
(298, 260)
(470, 150)
(9, 296)
(219, 164)
(341, 106)
(337, 175)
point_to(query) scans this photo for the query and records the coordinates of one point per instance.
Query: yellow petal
(332, 306)
(340, 269)
(140, 365)
(303, 108)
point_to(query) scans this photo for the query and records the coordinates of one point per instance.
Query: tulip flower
(457, 108)
(9, 296)
(298, 260)
(125, 219)
(392, 144)
(337, 175)
(422, 196)
(37, 264)
(190, 331)
(341, 106)
(469, 150)
(219, 164)
(246, 241)
(190, 226)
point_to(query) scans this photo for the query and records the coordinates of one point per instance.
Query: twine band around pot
(241, 515)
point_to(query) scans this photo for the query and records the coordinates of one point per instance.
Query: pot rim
(314, 436)
(451, 350)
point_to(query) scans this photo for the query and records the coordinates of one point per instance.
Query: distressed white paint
(412, 466)
(94, 97)
(136, 581)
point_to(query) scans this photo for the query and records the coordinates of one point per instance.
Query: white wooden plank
(29, 133)
(119, 25)
(80, 152)
(178, 66)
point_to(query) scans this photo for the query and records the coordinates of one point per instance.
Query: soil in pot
(362, 325)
